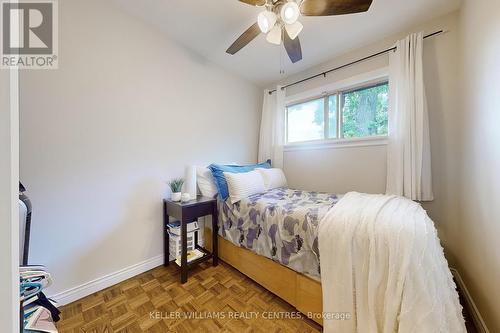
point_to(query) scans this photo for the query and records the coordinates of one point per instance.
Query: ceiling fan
(279, 21)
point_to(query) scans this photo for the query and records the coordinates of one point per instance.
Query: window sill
(337, 143)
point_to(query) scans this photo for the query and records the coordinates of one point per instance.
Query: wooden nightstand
(187, 212)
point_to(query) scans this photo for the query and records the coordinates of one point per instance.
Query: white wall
(9, 211)
(125, 112)
(479, 139)
(364, 168)
(338, 170)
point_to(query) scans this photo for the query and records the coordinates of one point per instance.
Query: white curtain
(272, 127)
(408, 155)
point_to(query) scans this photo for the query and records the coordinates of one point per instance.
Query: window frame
(341, 105)
(337, 89)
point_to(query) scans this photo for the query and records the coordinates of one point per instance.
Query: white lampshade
(190, 181)
(290, 12)
(293, 30)
(266, 21)
(274, 36)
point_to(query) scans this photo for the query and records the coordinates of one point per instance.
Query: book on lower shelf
(191, 255)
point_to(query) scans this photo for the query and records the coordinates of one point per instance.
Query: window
(356, 113)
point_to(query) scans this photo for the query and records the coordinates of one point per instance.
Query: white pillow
(243, 185)
(273, 178)
(206, 182)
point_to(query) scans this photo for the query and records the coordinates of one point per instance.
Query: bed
(375, 253)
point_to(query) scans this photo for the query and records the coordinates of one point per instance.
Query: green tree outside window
(364, 112)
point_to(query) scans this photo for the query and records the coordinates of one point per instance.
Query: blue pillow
(219, 169)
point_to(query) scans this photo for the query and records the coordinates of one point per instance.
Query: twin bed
(378, 257)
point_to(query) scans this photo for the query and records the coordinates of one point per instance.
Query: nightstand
(187, 212)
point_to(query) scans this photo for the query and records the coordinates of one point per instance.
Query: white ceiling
(209, 27)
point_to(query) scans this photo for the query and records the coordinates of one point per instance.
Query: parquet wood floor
(221, 298)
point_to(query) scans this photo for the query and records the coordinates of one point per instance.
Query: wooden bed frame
(297, 289)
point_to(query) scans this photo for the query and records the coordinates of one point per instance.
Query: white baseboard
(106, 281)
(476, 315)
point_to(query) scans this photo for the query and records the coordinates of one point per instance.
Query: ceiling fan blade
(254, 2)
(292, 47)
(333, 7)
(244, 39)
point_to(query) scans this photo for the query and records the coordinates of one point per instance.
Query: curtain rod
(350, 63)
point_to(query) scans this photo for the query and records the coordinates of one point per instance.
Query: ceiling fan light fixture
(266, 21)
(293, 30)
(290, 12)
(274, 36)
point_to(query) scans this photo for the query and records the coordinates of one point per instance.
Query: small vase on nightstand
(176, 196)
(175, 188)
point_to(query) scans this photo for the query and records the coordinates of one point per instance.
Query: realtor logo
(29, 34)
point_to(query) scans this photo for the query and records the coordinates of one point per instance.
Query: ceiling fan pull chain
(282, 62)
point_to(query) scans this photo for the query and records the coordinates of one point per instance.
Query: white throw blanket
(382, 264)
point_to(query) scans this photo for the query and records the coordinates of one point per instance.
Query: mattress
(280, 224)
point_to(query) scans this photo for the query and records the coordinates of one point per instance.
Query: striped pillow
(243, 185)
(273, 178)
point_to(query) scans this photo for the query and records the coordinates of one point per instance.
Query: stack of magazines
(39, 313)
(174, 227)
(191, 255)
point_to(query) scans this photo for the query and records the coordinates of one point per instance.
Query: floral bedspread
(280, 224)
